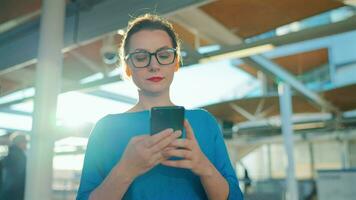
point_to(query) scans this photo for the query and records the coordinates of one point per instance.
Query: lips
(155, 79)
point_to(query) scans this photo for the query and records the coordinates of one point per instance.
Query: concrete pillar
(345, 155)
(232, 150)
(285, 100)
(264, 83)
(269, 161)
(48, 79)
(312, 160)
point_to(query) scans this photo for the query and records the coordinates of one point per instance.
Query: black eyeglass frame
(129, 56)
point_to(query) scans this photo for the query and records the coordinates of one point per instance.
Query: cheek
(136, 76)
(170, 74)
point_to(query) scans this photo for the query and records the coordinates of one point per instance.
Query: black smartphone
(165, 117)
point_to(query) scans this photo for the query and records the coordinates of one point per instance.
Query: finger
(165, 142)
(167, 148)
(139, 139)
(189, 130)
(159, 136)
(182, 143)
(181, 153)
(187, 164)
(156, 159)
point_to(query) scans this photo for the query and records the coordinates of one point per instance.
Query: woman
(123, 161)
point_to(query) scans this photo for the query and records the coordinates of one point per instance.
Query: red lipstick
(155, 79)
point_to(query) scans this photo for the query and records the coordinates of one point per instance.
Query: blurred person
(247, 182)
(124, 161)
(14, 168)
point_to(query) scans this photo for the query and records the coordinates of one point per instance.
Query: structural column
(264, 83)
(269, 161)
(312, 160)
(48, 79)
(345, 155)
(285, 101)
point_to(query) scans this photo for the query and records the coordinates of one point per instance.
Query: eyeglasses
(142, 59)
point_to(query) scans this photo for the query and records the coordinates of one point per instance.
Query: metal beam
(243, 112)
(81, 25)
(345, 154)
(88, 63)
(87, 87)
(303, 35)
(39, 169)
(195, 19)
(286, 110)
(192, 56)
(113, 96)
(269, 67)
(15, 112)
(310, 136)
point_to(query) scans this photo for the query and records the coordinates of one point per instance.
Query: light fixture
(350, 2)
(240, 53)
(121, 32)
(109, 50)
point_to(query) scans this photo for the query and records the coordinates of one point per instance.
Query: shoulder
(201, 114)
(113, 124)
(203, 119)
(104, 124)
(111, 119)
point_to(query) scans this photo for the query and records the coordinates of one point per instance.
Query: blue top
(108, 141)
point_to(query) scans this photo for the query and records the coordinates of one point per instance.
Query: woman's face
(155, 78)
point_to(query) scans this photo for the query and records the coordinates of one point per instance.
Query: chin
(155, 90)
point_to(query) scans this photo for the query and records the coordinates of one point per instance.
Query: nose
(154, 65)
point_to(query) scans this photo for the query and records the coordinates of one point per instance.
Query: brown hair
(147, 22)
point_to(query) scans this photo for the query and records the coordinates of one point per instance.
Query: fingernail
(170, 130)
(178, 132)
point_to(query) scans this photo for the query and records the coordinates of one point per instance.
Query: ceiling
(268, 106)
(297, 64)
(199, 23)
(253, 17)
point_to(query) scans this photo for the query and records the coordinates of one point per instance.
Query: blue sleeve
(222, 161)
(92, 173)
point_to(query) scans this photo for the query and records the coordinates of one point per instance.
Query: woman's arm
(214, 183)
(141, 154)
(218, 179)
(114, 185)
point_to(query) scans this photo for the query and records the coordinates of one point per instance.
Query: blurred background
(279, 76)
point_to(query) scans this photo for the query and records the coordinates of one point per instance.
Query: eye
(140, 57)
(165, 54)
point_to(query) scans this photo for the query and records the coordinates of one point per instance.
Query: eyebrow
(141, 50)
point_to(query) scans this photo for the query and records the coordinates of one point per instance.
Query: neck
(147, 101)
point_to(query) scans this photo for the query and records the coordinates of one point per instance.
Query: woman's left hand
(192, 157)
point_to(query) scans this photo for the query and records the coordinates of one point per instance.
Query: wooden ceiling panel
(297, 64)
(303, 62)
(271, 107)
(187, 36)
(11, 9)
(6, 86)
(248, 18)
(343, 98)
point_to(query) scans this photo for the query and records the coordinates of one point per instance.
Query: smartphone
(165, 117)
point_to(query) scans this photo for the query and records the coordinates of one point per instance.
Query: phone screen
(166, 117)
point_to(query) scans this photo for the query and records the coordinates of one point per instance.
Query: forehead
(150, 40)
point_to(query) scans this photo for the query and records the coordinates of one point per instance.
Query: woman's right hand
(144, 152)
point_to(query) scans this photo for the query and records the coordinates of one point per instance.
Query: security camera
(109, 55)
(109, 50)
